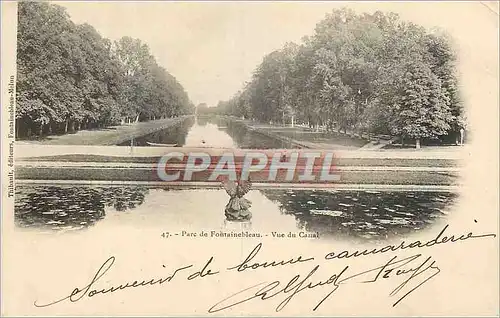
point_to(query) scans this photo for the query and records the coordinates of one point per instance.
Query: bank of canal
(110, 135)
(134, 160)
(51, 205)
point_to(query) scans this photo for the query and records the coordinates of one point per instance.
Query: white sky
(212, 48)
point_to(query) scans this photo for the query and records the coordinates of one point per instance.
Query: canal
(334, 214)
(210, 132)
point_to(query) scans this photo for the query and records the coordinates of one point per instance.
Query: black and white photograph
(253, 158)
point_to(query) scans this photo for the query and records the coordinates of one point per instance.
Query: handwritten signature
(415, 271)
(394, 267)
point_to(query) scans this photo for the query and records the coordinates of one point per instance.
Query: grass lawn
(324, 138)
(363, 162)
(107, 136)
(149, 174)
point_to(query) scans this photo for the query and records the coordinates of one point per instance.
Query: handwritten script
(410, 273)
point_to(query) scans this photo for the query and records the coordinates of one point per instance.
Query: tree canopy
(359, 72)
(71, 78)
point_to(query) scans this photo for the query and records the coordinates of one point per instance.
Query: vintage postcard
(250, 158)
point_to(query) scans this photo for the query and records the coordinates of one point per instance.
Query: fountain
(237, 209)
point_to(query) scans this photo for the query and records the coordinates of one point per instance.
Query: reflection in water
(204, 120)
(362, 214)
(208, 135)
(359, 214)
(61, 207)
(354, 214)
(124, 198)
(247, 139)
(210, 132)
(172, 135)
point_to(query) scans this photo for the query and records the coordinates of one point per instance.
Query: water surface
(210, 132)
(363, 215)
(356, 214)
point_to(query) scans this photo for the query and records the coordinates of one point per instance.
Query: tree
(421, 108)
(368, 73)
(71, 78)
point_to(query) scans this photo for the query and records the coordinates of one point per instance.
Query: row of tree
(361, 73)
(71, 78)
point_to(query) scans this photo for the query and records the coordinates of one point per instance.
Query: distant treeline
(360, 73)
(71, 78)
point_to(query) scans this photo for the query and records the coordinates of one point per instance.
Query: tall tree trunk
(66, 126)
(40, 132)
(402, 141)
(417, 143)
